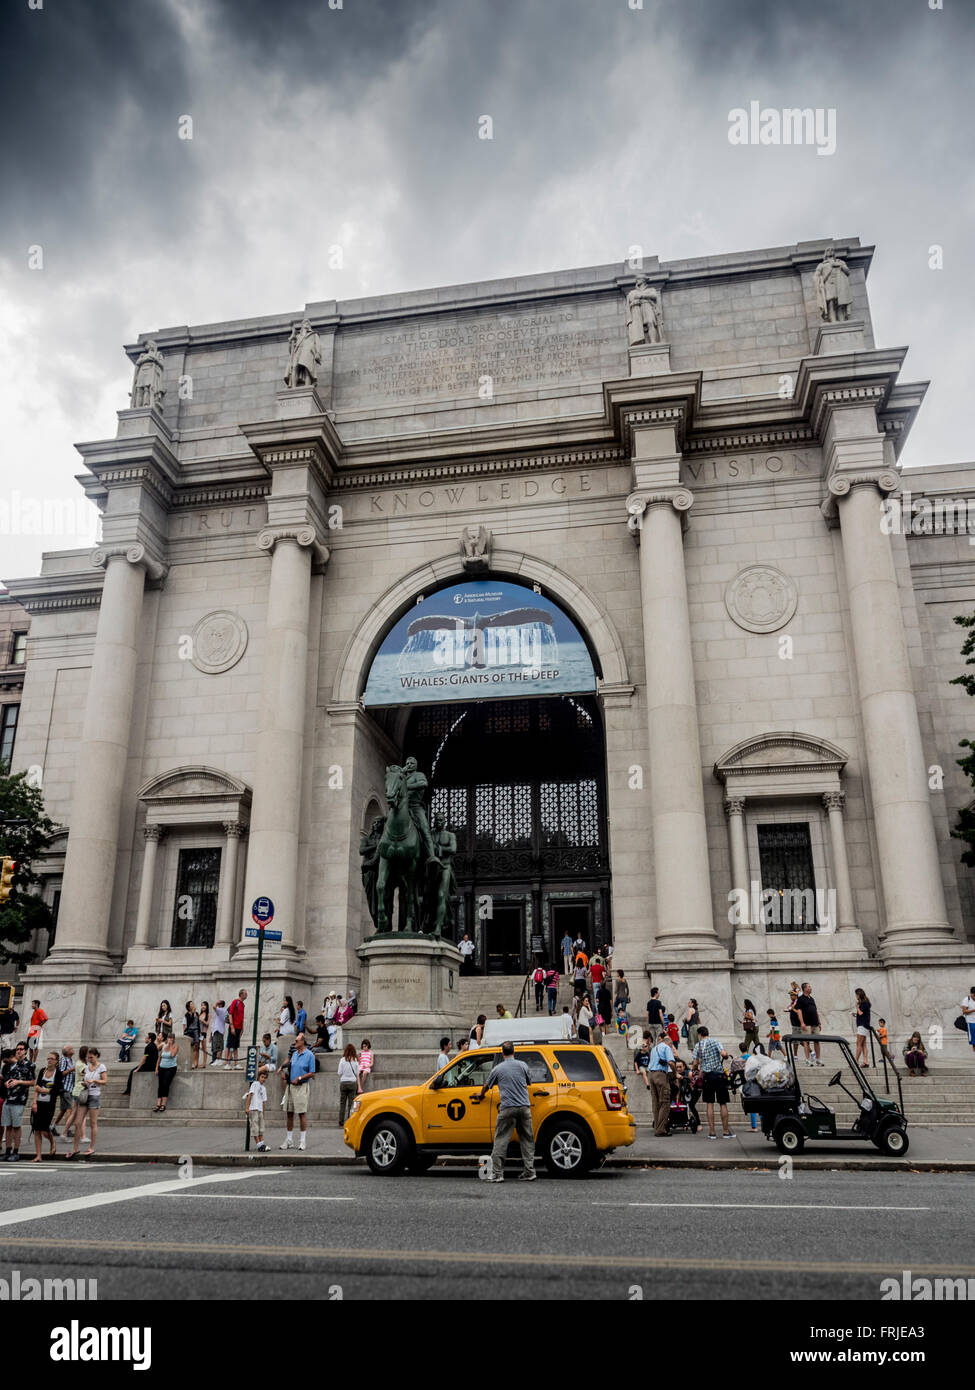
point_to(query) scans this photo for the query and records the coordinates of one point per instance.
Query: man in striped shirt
(709, 1056)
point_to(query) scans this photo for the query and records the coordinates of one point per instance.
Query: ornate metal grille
(503, 816)
(785, 857)
(451, 803)
(195, 909)
(570, 813)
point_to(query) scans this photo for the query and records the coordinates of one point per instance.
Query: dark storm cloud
(315, 127)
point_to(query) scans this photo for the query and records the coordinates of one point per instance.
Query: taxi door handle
(542, 1093)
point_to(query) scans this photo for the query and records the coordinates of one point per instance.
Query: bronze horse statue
(400, 852)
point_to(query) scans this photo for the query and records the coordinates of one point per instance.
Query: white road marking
(123, 1194)
(260, 1197)
(758, 1206)
(31, 1167)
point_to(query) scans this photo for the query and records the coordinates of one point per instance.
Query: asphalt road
(144, 1232)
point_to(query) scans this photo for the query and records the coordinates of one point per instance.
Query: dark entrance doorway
(574, 919)
(522, 784)
(504, 934)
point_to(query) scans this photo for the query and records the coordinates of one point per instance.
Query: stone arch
(591, 618)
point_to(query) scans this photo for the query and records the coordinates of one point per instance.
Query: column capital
(840, 485)
(834, 801)
(734, 806)
(304, 536)
(154, 832)
(638, 503)
(155, 569)
(234, 829)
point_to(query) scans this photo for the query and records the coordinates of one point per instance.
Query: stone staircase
(213, 1096)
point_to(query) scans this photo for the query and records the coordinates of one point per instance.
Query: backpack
(538, 976)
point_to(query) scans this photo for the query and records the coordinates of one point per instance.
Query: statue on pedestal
(304, 356)
(644, 320)
(404, 845)
(833, 292)
(147, 387)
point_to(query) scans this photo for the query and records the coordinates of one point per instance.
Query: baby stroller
(683, 1113)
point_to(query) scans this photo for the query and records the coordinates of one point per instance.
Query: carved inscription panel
(465, 357)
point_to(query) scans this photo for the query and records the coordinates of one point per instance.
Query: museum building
(622, 556)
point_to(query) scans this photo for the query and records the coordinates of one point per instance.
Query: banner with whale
(480, 639)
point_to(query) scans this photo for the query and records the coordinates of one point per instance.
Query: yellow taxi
(578, 1101)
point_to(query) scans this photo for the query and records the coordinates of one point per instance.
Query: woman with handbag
(164, 1020)
(749, 1023)
(692, 1020)
(93, 1078)
(47, 1087)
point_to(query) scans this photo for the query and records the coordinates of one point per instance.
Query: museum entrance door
(504, 933)
(522, 785)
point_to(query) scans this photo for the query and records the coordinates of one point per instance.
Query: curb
(294, 1160)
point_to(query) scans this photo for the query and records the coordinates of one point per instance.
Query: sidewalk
(950, 1149)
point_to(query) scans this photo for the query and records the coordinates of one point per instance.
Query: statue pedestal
(410, 992)
(649, 359)
(298, 402)
(840, 337)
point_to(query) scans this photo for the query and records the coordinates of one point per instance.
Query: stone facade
(707, 509)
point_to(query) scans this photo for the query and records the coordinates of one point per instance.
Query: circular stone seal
(761, 598)
(219, 641)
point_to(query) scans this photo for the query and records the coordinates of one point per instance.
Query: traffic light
(7, 870)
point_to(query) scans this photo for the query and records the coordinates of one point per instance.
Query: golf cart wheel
(421, 1163)
(388, 1148)
(567, 1149)
(789, 1136)
(894, 1142)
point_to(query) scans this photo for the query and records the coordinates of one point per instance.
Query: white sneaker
(301, 1146)
(216, 1064)
(287, 1144)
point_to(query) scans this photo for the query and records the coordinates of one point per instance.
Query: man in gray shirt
(512, 1079)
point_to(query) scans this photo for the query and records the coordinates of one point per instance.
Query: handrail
(887, 1060)
(520, 1009)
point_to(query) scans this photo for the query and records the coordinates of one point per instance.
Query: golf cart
(790, 1115)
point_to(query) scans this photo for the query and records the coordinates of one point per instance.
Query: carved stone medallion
(219, 641)
(761, 598)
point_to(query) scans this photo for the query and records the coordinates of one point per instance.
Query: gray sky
(358, 127)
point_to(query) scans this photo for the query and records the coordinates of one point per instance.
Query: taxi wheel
(567, 1149)
(388, 1148)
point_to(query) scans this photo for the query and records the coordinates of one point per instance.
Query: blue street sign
(262, 911)
(272, 935)
(268, 936)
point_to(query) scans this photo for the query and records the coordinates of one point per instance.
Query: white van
(542, 1028)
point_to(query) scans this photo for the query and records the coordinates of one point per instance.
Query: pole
(257, 1006)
